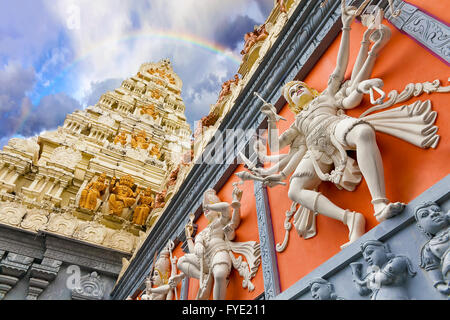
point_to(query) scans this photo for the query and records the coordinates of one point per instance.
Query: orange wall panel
(439, 9)
(409, 170)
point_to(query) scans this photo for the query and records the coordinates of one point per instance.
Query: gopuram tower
(103, 177)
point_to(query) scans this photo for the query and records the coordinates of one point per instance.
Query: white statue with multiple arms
(211, 254)
(322, 133)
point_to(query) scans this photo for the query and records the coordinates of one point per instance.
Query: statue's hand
(274, 178)
(269, 110)
(348, 14)
(258, 171)
(366, 85)
(148, 284)
(172, 283)
(443, 288)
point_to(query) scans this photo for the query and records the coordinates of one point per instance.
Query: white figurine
(162, 284)
(211, 255)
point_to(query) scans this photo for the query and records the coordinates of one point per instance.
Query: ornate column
(267, 243)
(184, 289)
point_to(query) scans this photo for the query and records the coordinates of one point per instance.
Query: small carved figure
(209, 120)
(160, 200)
(173, 177)
(251, 38)
(155, 94)
(122, 196)
(164, 278)
(149, 110)
(140, 140)
(210, 259)
(435, 253)
(386, 275)
(282, 6)
(155, 152)
(121, 138)
(323, 290)
(145, 206)
(93, 192)
(226, 88)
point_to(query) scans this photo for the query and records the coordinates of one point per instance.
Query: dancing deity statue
(162, 284)
(435, 253)
(93, 192)
(122, 196)
(145, 205)
(211, 253)
(322, 133)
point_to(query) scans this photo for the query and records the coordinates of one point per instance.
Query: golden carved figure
(155, 94)
(122, 196)
(140, 140)
(121, 138)
(146, 203)
(92, 192)
(155, 151)
(150, 110)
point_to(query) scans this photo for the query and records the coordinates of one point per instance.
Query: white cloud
(105, 50)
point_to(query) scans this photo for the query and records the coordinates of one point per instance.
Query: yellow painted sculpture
(155, 152)
(156, 94)
(122, 196)
(139, 141)
(150, 110)
(146, 204)
(121, 138)
(93, 192)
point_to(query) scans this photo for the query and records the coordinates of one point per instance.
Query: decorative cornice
(430, 32)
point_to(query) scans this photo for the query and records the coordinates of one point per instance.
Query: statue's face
(157, 279)
(320, 291)
(375, 255)
(431, 219)
(300, 94)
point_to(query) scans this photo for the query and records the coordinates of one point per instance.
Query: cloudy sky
(60, 55)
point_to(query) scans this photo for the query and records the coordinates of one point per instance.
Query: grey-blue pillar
(267, 243)
(184, 289)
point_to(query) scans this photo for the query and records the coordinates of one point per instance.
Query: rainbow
(179, 37)
(166, 35)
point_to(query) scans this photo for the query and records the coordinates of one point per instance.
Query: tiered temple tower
(103, 176)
